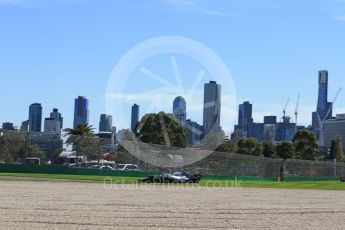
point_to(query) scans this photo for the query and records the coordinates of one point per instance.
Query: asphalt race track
(74, 205)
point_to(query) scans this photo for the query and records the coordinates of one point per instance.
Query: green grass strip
(236, 184)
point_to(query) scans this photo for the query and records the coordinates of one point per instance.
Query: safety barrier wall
(12, 168)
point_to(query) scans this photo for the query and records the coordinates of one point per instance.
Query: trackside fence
(153, 159)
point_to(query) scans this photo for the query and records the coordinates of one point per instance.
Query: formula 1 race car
(176, 177)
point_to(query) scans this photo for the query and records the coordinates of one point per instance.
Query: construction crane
(296, 112)
(322, 122)
(284, 118)
(284, 109)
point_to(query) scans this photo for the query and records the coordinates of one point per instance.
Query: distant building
(323, 106)
(270, 120)
(24, 126)
(57, 116)
(269, 130)
(195, 132)
(315, 124)
(212, 107)
(53, 124)
(285, 130)
(107, 139)
(8, 126)
(120, 135)
(245, 119)
(237, 134)
(270, 126)
(106, 123)
(179, 109)
(35, 117)
(333, 128)
(134, 117)
(114, 129)
(81, 111)
(246, 127)
(256, 130)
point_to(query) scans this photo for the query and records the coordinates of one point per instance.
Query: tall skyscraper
(245, 119)
(35, 117)
(323, 106)
(53, 124)
(57, 116)
(106, 123)
(135, 116)
(322, 101)
(212, 107)
(179, 109)
(81, 111)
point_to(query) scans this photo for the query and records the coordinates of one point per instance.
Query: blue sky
(52, 51)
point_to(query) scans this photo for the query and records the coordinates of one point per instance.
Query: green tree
(338, 149)
(306, 146)
(250, 146)
(90, 146)
(227, 146)
(285, 150)
(162, 129)
(11, 146)
(5, 155)
(34, 151)
(268, 149)
(78, 136)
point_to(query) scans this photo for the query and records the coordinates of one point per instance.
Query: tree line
(163, 129)
(14, 145)
(304, 145)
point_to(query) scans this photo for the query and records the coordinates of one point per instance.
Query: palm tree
(75, 134)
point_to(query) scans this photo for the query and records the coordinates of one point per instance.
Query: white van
(127, 167)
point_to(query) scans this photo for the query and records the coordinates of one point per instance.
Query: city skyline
(273, 128)
(81, 105)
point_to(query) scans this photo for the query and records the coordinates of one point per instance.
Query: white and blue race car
(176, 177)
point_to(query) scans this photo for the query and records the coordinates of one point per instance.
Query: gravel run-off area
(75, 205)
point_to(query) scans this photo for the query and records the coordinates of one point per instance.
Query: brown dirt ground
(74, 205)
